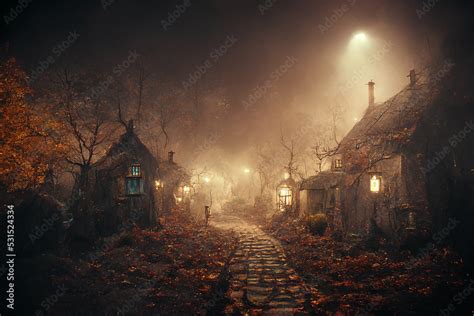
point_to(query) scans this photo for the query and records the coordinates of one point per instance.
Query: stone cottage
(123, 187)
(397, 170)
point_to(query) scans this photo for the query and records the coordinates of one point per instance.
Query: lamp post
(159, 185)
(247, 173)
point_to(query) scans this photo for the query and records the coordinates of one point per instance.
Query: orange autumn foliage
(26, 150)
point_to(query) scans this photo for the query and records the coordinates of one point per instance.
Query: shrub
(317, 224)
(125, 239)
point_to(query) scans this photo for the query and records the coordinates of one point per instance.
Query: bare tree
(289, 146)
(87, 125)
(138, 84)
(327, 146)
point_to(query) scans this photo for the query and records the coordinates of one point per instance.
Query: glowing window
(135, 170)
(375, 184)
(338, 163)
(134, 181)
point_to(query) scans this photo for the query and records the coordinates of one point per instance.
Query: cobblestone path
(260, 280)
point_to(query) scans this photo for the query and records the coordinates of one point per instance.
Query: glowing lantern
(375, 184)
(186, 189)
(285, 194)
(158, 184)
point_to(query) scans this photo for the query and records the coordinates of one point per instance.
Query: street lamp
(360, 37)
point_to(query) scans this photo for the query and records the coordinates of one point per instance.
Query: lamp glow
(375, 184)
(361, 37)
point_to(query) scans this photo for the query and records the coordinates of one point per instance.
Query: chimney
(412, 76)
(371, 85)
(130, 126)
(170, 156)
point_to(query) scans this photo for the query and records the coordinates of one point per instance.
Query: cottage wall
(364, 210)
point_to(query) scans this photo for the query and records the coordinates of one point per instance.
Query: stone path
(261, 281)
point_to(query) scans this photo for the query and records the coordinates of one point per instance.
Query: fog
(261, 70)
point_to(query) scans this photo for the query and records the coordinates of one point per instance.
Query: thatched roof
(389, 125)
(323, 181)
(131, 145)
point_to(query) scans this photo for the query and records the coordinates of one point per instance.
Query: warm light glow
(186, 189)
(178, 199)
(207, 180)
(285, 197)
(247, 170)
(158, 184)
(284, 192)
(361, 37)
(375, 184)
(286, 175)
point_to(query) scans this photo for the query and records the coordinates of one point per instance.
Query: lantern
(411, 225)
(375, 184)
(159, 184)
(285, 194)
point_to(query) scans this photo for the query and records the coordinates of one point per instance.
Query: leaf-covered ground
(348, 279)
(171, 271)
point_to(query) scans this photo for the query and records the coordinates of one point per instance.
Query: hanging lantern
(375, 184)
(411, 225)
(285, 194)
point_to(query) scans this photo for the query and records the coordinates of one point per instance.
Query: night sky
(266, 34)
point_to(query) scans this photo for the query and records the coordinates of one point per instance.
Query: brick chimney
(170, 156)
(130, 127)
(371, 85)
(412, 76)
